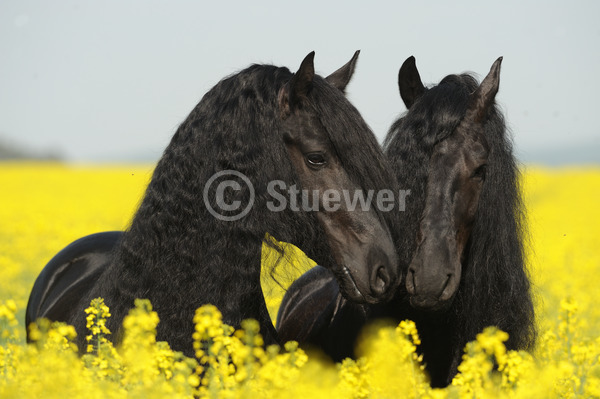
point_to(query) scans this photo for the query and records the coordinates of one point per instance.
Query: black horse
(460, 239)
(196, 237)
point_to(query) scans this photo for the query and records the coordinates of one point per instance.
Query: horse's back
(69, 274)
(315, 314)
(306, 305)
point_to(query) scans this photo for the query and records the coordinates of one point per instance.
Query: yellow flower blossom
(50, 205)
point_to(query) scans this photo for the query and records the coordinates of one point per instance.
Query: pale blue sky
(103, 80)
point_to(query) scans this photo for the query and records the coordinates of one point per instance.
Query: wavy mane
(236, 126)
(494, 288)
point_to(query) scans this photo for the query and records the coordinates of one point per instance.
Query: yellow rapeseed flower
(53, 204)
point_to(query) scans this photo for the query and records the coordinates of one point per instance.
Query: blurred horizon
(111, 81)
(11, 150)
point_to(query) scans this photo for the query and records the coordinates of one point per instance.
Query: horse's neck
(222, 272)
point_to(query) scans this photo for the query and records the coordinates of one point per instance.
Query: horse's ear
(484, 96)
(409, 82)
(297, 89)
(342, 76)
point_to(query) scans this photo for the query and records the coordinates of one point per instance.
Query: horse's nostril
(380, 280)
(447, 292)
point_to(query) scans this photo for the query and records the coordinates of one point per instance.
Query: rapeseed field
(45, 206)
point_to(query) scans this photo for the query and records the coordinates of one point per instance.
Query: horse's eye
(315, 159)
(479, 173)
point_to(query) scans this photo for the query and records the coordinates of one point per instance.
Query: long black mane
(494, 288)
(236, 126)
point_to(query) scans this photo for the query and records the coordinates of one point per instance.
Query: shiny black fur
(177, 254)
(494, 287)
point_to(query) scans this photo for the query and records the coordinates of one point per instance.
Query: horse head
(456, 176)
(359, 238)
